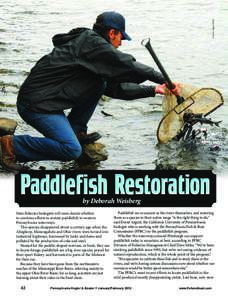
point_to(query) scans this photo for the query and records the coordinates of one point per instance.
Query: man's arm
(103, 59)
(129, 91)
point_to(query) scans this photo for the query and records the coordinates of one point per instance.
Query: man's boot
(7, 156)
(85, 138)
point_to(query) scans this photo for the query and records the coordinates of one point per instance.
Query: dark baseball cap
(114, 20)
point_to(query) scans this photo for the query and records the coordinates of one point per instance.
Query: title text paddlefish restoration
(60, 184)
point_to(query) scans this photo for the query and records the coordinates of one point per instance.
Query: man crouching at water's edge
(83, 65)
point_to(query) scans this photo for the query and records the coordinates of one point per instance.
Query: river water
(183, 38)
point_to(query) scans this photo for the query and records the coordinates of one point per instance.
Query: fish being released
(179, 118)
(187, 132)
(191, 118)
(207, 121)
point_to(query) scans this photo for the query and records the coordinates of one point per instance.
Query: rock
(92, 153)
(7, 126)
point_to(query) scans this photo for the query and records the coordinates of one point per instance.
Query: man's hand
(161, 89)
(176, 89)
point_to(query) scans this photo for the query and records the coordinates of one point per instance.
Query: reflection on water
(181, 38)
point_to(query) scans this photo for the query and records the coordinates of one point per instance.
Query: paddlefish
(192, 118)
(207, 121)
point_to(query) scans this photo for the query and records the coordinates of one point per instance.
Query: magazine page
(113, 143)
(107, 252)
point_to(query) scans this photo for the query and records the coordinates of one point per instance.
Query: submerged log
(7, 126)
